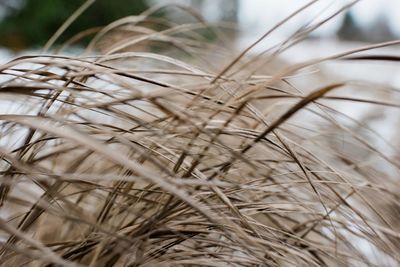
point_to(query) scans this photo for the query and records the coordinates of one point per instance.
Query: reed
(159, 147)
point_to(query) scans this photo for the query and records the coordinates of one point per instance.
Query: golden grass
(168, 150)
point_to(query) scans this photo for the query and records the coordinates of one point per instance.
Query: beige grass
(169, 150)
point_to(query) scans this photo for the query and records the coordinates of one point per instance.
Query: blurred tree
(33, 22)
(231, 10)
(349, 30)
(223, 10)
(379, 31)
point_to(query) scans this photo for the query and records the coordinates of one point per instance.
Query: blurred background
(30, 23)
(26, 25)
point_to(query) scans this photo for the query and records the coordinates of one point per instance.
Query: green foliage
(36, 21)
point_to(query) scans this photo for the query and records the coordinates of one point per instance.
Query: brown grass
(166, 149)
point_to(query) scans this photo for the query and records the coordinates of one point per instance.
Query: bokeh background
(30, 23)
(26, 25)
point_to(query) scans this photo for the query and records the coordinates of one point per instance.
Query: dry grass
(167, 150)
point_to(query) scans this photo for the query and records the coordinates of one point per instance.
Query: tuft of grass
(157, 147)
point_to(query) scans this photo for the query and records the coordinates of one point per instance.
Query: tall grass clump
(160, 146)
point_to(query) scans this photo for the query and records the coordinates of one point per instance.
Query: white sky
(259, 14)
